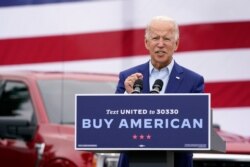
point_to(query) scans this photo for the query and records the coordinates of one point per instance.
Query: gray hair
(163, 18)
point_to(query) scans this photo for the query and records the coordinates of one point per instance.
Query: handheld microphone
(157, 86)
(138, 86)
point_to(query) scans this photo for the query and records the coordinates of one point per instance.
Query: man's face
(161, 42)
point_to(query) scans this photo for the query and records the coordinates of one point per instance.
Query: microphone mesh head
(158, 83)
(138, 83)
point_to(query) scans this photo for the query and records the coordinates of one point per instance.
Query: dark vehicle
(237, 152)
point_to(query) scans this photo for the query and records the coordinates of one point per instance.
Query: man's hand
(130, 80)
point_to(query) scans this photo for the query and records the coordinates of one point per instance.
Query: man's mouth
(160, 52)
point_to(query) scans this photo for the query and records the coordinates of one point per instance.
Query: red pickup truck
(37, 117)
(37, 123)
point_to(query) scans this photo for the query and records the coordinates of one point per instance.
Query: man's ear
(177, 44)
(146, 43)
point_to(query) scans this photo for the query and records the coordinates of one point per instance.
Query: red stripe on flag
(119, 43)
(215, 36)
(229, 94)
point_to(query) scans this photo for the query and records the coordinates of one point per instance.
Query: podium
(149, 128)
(151, 159)
(166, 158)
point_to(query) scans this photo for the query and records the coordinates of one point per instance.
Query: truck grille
(221, 160)
(210, 163)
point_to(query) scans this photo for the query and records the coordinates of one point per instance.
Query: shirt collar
(168, 67)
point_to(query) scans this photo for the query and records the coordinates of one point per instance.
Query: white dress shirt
(162, 74)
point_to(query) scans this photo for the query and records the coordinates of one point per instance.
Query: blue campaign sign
(143, 122)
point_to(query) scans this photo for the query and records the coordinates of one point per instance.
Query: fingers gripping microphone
(138, 85)
(157, 86)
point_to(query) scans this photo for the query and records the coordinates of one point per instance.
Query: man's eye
(166, 39)
(155, 38)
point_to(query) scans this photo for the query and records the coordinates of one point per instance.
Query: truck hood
(235, 143)
(67, 131)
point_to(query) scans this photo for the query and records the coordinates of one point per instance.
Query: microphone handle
(136, 90)
(155, 91)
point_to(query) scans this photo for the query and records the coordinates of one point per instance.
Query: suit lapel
(145, 72)
(146, 88)
(175, 79)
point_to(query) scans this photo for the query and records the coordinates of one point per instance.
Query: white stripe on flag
(84, 17)
(219, 65)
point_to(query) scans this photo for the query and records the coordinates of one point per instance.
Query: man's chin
(161, 58)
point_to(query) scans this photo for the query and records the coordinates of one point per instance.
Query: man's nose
(160, 42)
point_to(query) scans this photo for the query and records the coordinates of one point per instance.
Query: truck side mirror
(16, 129)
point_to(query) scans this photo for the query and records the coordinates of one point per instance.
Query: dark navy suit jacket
(181, 80)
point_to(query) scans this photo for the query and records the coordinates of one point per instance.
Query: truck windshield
(59, 96)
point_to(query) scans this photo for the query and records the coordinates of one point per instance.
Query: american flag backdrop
(107, 36)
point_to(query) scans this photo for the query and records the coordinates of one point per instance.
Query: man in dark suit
(162, 40)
